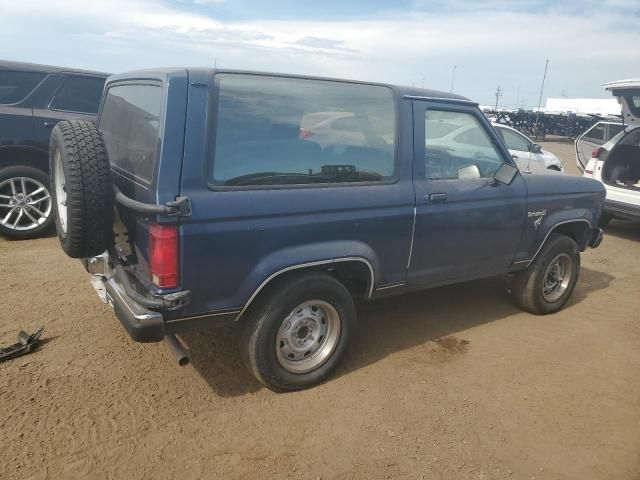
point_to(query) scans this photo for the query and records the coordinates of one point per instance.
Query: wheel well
(578, 231)
(355, 275)
(29, 156)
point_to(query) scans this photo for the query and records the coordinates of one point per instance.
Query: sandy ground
(452, 383)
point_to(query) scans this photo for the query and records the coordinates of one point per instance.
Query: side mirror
(469, 171)
(505, 174)
(535, 148)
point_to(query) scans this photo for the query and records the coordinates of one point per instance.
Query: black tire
(88, 188)
(605, 218)
(264, 319)
(25, 227)
(527, 287)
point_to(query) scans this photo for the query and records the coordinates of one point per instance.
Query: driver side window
(457, 146)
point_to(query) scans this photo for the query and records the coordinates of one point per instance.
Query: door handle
(436, 197)
(514, 157)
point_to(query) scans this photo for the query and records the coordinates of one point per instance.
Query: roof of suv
(404, 91)
(34, 67)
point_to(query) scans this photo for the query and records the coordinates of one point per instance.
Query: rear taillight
(597, 152)
(163, 255)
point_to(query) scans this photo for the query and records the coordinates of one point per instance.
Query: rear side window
(130, 123)
(283, 131)
(514, 141)
(79, 94)
(614, 129)
(596, 133)
(15, 86)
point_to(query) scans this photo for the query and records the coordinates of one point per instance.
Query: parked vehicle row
(33, 98)
(271, 202)
(616, 162)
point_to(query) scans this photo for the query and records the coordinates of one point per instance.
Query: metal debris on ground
(25, 344)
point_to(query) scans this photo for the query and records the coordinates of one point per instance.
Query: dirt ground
(452, 383)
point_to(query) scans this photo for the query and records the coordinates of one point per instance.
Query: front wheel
(546, 285)
(295, 336)
(25, 202)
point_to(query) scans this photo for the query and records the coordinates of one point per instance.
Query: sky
(491, 43)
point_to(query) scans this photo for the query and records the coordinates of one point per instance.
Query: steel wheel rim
(25, 203)
(308, 336)
(61, 192)
(557, 277)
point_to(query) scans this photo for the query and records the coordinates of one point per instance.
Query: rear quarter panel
(235, 239)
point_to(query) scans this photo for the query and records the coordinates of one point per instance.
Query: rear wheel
(296, 335)
(25, 202)
(546, 285)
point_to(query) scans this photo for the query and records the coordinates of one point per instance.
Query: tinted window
(275, 131)
(15, 86)
(614, 129)
(468, 144)
(79, 94)
(129, 123)
(515, 141)
(596, 133)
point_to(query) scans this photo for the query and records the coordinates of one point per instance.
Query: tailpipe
(177, 349)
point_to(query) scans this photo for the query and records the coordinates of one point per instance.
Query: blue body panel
(236, 238)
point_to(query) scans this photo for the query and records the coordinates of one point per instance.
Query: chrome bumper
(142, 324)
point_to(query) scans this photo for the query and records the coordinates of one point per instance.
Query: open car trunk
(622, 167)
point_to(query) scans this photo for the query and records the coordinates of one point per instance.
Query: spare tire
(81, 188)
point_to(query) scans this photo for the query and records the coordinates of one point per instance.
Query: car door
(77, 98)
(467, 224)
(16, 119)
(586, 143)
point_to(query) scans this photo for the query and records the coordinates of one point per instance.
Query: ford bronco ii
(271, 201)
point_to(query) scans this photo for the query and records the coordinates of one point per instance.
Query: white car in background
(616, 163)
(526, 153)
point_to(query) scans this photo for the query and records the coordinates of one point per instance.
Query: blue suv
(208, 197)
(33, 98)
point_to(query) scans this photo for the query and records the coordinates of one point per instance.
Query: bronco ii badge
(539, 215)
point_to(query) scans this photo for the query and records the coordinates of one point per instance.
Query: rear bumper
(142, 323)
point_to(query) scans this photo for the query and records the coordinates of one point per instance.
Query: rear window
(130, 123)
(79, 94)
(282, 131)
(15, 86)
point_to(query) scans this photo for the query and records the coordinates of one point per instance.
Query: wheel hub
(308, 336)
(25, 203)
(557, 277)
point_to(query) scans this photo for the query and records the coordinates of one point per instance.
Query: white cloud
(501, 46)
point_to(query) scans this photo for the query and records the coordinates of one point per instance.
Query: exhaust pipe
(178, 350)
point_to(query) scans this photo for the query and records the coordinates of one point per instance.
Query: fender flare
(552, 227)
(308, 256)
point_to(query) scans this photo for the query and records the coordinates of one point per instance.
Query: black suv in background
(33, 98)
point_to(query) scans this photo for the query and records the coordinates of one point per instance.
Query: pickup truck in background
(271, 202)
